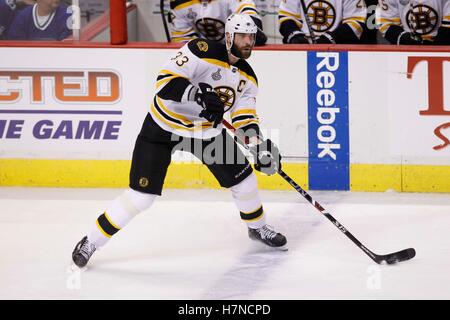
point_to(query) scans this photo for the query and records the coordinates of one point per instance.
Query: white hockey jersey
(206, 18)
(206, 61)
(423, 18)
(324, 16)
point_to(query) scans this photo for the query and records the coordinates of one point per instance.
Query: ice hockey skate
(269, 237)
(83, 252)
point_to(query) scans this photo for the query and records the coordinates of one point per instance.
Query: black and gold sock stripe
(252, 216)
(106, 226)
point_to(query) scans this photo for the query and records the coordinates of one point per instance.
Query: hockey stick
(390, 258)
(163, 16)
(312, 35)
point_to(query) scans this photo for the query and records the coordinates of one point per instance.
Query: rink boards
(366, 120)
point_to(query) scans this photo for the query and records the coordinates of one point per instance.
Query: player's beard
(243, 52)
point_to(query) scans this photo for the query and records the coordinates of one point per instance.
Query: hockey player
(332, 21)
(191, 19)
(46, 20)
(8, 9)
(186, 114)
(370, 32)
(415, 22)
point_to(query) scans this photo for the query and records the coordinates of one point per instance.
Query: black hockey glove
(213, 108)
(407, 38)
(326, 38)
(296, 37)
(267, 157)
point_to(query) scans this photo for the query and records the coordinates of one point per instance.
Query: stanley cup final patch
(216, 75)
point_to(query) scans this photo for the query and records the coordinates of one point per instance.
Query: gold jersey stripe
(217, 62)
(186, 4)
(284, 19)
(175, 125)
(359, 19)
(172, 114)
(179, 33)
(250, 13)
(164, 72)
(241, 123)
(245, 5)
(181, 39)
(171, 124)
(285, 13)
(249, 77)
(242, 112)
(356, 27)
(382, 20)
(386, 26)
(159, 83)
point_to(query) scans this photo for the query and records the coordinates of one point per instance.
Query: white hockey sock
(121, 211)
(247, 200)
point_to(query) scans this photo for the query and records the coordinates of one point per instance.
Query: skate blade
(260, 244)
(282, 248)
(74, 268)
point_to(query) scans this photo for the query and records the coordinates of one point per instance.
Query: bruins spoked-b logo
(422, 19)
(322, 15)
(211, 29)
(202, 46)
(143, 182)
(226, 95)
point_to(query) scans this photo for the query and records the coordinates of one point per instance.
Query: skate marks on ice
(258, 263)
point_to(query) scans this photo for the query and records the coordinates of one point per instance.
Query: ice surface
(192, 245)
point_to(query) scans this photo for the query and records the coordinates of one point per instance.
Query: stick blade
(399, 256)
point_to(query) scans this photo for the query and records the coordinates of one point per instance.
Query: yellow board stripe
(115, 174)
